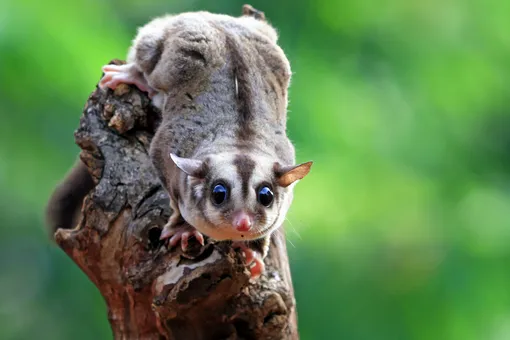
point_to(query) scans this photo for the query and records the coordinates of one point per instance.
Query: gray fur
(221, 83)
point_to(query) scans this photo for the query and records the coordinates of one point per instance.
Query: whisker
(236, 86)
(294, 229)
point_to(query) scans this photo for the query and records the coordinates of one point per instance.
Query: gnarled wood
(152, 292)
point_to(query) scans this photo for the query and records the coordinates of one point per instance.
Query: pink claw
(199, 237)
(181, 233)
(114, 68)
(166, 233)
(257, 266)
(252, 258)
(248, 255)
(114, 75)
(184, 240)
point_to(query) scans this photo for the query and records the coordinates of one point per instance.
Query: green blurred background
(402, 231)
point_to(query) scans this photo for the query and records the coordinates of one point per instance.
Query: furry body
(221, 83)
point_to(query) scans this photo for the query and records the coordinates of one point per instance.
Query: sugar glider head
(236, 196)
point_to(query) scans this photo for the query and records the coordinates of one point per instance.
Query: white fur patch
(158, 100)
(198, 190)
(196, 185)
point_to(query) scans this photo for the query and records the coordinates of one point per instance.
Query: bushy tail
(65, 203)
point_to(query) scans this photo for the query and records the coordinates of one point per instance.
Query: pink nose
(242, 221)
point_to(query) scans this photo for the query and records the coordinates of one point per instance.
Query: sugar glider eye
(219, 194)
(265, 196)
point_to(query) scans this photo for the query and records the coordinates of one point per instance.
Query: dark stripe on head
(274, 183)
(244, 166)
(184, 184)
(202, 201)
(193, 194)
(243, 96)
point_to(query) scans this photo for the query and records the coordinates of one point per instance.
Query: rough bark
(153, 292)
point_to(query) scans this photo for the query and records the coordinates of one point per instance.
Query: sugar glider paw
(253, 259)
(114, 75)
(180, 234)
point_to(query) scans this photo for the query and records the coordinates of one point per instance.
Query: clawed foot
(253, 259)
(114, 75)
(180, 233)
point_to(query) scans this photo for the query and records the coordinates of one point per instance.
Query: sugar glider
(221, 151)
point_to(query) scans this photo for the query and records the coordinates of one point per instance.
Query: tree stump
(152, 292)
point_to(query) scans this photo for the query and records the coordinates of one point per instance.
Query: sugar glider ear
(192, 167)
(287, 175)
(252, 12)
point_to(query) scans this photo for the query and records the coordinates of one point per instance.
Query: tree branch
(152, 292)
